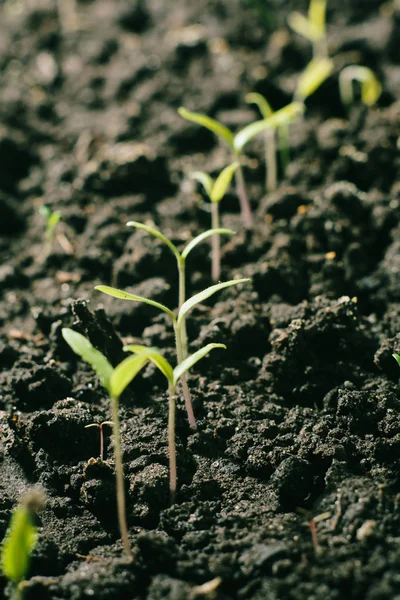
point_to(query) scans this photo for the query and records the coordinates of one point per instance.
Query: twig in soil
(312, 27)
(100, 426)
(172, 376)
(371, 89)
(179, 321)
(206, 589)
(312, 524)
(338, 514)
(215, 191)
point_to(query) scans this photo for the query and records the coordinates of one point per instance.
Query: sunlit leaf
(83, 348)
(21, 538)
(156, 233)
(397, 358)
(191, 360)
(263, 106)
(314, 75)
(121, 295)
(203, 236)
(222, 182)
(205, 180)
(211, 124)
(124, 373)
(154, 355)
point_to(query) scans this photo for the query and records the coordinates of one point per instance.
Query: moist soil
(290, 487)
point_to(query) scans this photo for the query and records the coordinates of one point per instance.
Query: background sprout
(172, 376)
(215, 191)
(100, 427)
(176, 322)
(371, 89)
(52, 219)
(271, 175)
(312, 27)
(114, 381)
(21, 539)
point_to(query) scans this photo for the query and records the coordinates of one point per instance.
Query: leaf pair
(311, 27)
(216, 190)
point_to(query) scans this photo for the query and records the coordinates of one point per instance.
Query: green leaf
(204, 236)
(200, 297)
(211, 124)
(222, 182)
(154, 355)
(301, 25)
(121, 295)
(371, 89)
(281, 117)
(317, 16)
(263, 106)
(156, 233)
(20, 540)
(190, 361)
(205, 180)
(83, 348)
(397, 358)
(313, 77)
(124, 373)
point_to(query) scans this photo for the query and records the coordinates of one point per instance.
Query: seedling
(237, 142)
(172, 376)
(114, 381)
(100, 426)
(20, 540)
(215, 191)
(177, 322)
(313, 27)
(313, 76)
(371, 89)
(51, 219)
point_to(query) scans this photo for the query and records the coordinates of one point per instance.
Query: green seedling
(237, 142)
(215, 191)
(313, 76)
(114, 381)
(20, 540)
(51, 219)
(371, 89)
(312, 27)
(271, 173)
(100, 427)
(172, 376)
(177, 323)
(397, 358)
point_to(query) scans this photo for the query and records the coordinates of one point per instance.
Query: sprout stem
(243, 199)
(120, 479)
(185, 388)
(270, 160)
(284, 147)
(182, 298)
(215, 243)
(171, 443)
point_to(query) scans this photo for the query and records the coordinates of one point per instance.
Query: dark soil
(299, 429)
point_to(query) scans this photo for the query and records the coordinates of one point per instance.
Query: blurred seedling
(114, 381)
(52, 233)
(20, 540)
(371, 89)
(312, 27)
(100, 427)
(215, 191)
(172, 376)
(237, 143)
(177, 322)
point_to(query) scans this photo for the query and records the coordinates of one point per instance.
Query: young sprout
(52, 219)
(313, 76)
(371, 89)
(177, 323)
(114, 381)
(215, 191)
(312, 27)
(172, 376)
(100, 426)
(237, 142)
(21, 539)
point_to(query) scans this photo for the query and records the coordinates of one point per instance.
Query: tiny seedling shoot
(51, 220)
(172, 376)
(215, 191)
(100, 427)
(114, 381)
(237, 142)
(371, 89)
(20, 540)
(177, 322)
(313, 27)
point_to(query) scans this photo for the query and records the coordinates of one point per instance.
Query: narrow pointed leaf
(124, 373)
(198, 298)
(313, 77)
(116, 293)
(21, 538)
(191, 360)
(222, 182)
(397, 358)
(281, 117)
(205, 180)
(154, 356)
(263, 106)
(157, 234)
(317, 15)
(204, 236)
(211, 124)
(83, 348)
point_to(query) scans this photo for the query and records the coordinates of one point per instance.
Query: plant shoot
(371, 89)
(312, 27)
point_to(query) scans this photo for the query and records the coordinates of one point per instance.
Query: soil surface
(290, 488)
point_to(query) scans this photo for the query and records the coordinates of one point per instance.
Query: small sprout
(314, 75)
(313, 27)
(397, 358)
(114, 381)
(21, 539)
(371, 89)
(215, 191)
(172, 376)
(177, 322)
(52, 219)
(100, 426)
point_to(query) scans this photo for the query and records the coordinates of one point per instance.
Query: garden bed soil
(290, 488)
